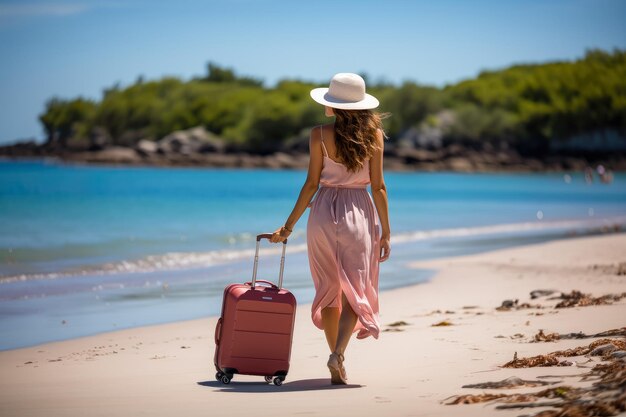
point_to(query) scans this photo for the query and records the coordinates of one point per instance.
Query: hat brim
(321, 96)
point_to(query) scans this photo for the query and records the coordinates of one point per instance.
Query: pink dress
(343, 240)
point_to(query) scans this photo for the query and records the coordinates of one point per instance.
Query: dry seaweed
(442, 323)
(613, 373)
(562, 392)
(395, 326)
(551, 358)
(473, 398)
(539, 360)
(542, 337)
(580, 408)
(511, 382)
(578, 299)
(529, 405)
(613, 269)
(550, 337)
(508, 305)
(604, 350)
(584, 350)
(553, 337)
(612, 332)
(398, 323)
(393, 329)
(605, 397)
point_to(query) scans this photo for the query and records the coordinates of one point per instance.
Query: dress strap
(322, 135)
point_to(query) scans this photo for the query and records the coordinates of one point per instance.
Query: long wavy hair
(355, 136)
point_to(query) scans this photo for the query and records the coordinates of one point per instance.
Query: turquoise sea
(87, 249)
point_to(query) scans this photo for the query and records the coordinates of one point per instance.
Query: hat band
(333, 99)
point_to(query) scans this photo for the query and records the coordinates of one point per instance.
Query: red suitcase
(254, 333)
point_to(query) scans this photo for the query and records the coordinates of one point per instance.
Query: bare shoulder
(315, 138)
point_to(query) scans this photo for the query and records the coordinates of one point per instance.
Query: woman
(344, 242)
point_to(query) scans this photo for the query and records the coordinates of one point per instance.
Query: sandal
(337, 371)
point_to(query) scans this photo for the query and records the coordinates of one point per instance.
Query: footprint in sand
(382, 400)
(161, 357)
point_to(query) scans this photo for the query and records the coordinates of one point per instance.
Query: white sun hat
(346, 92)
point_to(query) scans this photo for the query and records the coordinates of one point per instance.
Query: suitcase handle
(271, 284)
(267, 236)
(256, 260)
(218, 330)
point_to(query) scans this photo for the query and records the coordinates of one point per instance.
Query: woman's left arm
(308, 189)
(379, 195)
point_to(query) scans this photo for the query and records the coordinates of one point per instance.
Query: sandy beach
(412, 370)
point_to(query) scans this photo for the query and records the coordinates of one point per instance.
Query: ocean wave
(164, 262)
(191, 260)
(511, 228)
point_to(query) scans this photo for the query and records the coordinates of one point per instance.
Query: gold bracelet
(288, 229)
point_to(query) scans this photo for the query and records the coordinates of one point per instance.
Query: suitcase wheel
(278, 381)
(226, 379)
(268, 379)
(218, 376)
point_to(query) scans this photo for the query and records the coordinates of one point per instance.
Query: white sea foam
(510, 228)
(190, 260)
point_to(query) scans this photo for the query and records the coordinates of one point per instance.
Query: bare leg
(347, 321)
(330, 321)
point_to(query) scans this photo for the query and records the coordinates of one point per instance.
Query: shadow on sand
(300, 385)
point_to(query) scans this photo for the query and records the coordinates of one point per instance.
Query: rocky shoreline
(197, 147)
(452, 158)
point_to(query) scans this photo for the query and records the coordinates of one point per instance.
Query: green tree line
(525, 106)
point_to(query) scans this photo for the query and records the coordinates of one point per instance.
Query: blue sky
(79, 47)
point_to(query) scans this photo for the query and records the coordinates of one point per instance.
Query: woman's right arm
(379, 194)
(308, 189)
